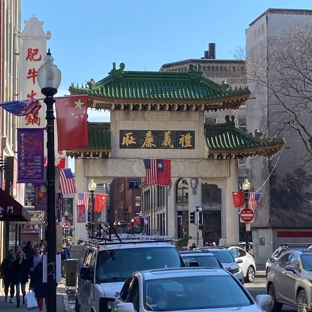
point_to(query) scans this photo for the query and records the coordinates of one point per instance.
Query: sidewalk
(62, 302)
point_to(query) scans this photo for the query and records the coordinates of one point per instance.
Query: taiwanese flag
(238, 199)
(163, 172)
(71, 119)
(100, 202)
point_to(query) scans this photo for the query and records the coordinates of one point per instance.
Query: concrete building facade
(284, 213)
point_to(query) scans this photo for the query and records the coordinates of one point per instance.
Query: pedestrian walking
(6, 272)
(20, 270)
(28, 250)
(34, 259)
(38, 286)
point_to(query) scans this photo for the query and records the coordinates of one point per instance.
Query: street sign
(66, 226)
(246, 215)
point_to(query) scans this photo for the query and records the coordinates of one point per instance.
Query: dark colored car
(200, 258)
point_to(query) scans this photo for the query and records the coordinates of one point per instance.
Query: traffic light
(192, 217)
(201, 218)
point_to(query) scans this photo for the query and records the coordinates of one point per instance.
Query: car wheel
(302, 301)
(77, 305)
(250, 276)
(274, 305)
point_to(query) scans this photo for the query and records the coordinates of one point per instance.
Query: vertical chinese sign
(31, 136)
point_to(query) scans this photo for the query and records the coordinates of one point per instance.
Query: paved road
(258, 287)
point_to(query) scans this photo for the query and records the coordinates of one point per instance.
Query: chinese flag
(100, 202)
(71, 119)
(163, 172)
(238, 199)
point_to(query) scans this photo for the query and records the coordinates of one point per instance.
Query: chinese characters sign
(30, 155)
(157, 139)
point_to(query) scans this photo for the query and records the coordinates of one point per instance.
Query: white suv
(105, 265)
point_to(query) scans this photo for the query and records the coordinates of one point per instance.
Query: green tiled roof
(160, 86)
(224, 141)
(226, 138)
(99, 141)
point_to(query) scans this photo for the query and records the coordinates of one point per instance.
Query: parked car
(281, 249)
(227, 260)
(187, 289)
(289, 280)
(248, 264)
(200, 258)
(105, 265)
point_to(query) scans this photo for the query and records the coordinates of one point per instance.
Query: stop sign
(66, 226)
(246, 215)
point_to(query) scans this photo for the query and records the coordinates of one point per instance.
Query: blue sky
(88, 36)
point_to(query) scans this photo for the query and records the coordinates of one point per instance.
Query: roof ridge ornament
(195, 71)
(117, 73)
(230, 123)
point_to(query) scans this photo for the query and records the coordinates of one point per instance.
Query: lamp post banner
(81, 214)
(30, 155)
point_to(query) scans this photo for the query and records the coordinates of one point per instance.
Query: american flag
(253, 199)
(22, 108)
(67, 181)
(151, 171)
(83, 199)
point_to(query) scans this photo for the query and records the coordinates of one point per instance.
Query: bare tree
(284, 66)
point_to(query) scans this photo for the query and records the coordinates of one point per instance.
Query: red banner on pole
(238, 199)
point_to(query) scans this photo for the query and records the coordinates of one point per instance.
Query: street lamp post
(92, 187)
(246, 188)
(49, 79)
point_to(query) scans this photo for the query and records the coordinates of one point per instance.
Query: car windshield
(118, 264)
(306, 260)
(203, 261)
(194, 292)
(224, 256)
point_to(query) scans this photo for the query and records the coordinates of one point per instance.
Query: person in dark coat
(28, 250)
(6, 271)
(20, 270)
(38, 286)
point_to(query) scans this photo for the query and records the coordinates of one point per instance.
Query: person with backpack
(6, 272)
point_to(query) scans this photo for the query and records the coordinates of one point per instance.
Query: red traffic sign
(66, 226)
(246, 215)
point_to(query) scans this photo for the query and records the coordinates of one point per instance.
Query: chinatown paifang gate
(152, 103)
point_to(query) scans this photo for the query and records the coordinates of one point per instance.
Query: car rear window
(224, 256)
(120, 263)
(203, 261)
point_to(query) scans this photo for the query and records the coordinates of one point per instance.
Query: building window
(137, 201)
(242, 124)
(182, 191)
(160, 196)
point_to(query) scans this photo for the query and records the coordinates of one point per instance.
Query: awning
(12, 210)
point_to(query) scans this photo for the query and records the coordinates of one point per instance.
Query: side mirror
(125, 307)
(86, 274)
(291, 268)
(239, 261)
(263, 300)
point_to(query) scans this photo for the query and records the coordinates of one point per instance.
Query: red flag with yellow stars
(100, 202)
(238, 199)
(72, 122)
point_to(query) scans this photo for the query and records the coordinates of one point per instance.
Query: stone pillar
(171, 216)
(222, 240)
(195, 199)
(231, 213)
